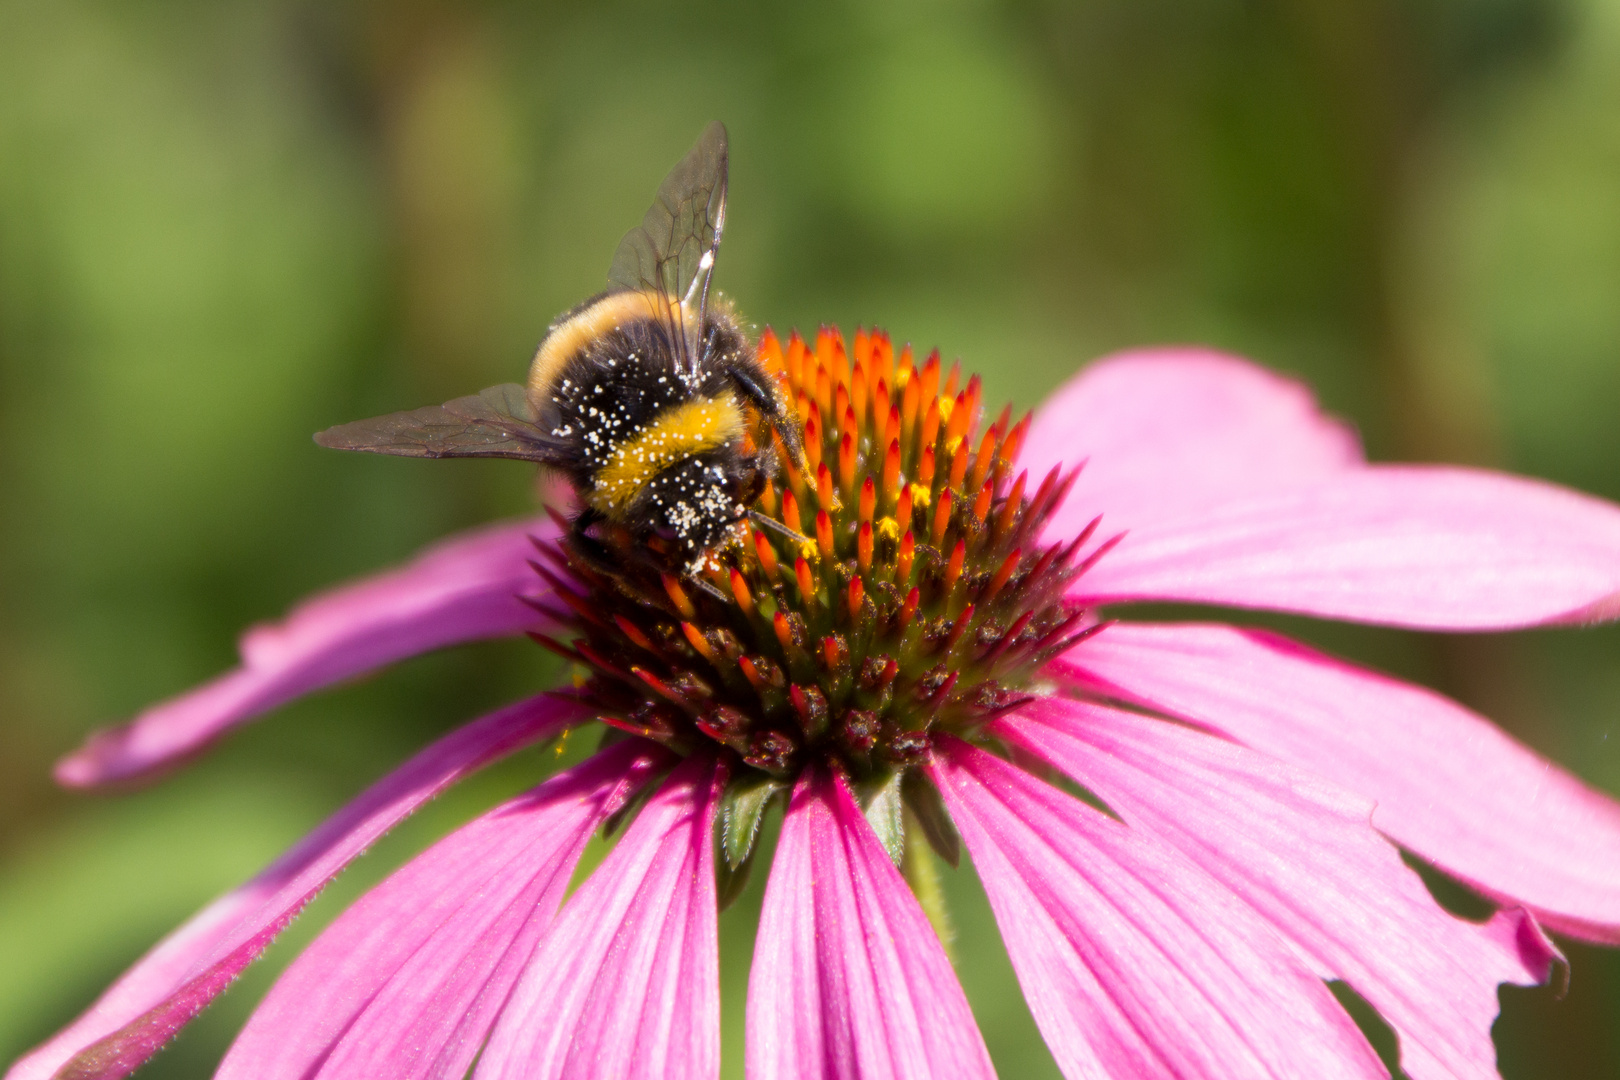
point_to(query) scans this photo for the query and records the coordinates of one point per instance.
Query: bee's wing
(672, 251)
(498, 422)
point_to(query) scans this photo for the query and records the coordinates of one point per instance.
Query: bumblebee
(639, 396)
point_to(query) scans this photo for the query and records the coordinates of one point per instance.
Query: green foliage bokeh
(225, 226)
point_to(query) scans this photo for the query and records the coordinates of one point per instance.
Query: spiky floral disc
(920, 602)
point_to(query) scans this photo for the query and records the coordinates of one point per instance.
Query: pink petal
(849, 979)
(1447, 783)
(1167, 431)
(1422, 546)
(461, 590)
(1133, 961)
(627, 981)
(406, 983)
(1305, 857)
(173, 982)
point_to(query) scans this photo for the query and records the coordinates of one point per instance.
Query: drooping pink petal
(1305, 856)
(626, 982)
(188, 969)
(1134, 962)
(1166, 431)
(406, 983)
(1448, 784)
(849, 979)
(461, 590)
(1406, 545)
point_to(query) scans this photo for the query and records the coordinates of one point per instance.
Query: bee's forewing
(672, 251)
(495, 423)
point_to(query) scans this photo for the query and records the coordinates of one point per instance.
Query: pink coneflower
(931, 672)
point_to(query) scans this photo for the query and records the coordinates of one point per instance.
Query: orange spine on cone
(942, 518)
(824, 486)
(766, 553)
(981, 502)
(807, 584)
(633, 632)
(956, 427)
(678, 597)
(1010, 507)
(740, 590)
(953, 567)
(790, 513)
(925, 468)
(902, 563)
(930, 427)
(1014, 442)
(698, 641)
(1003, 573)
(929, 376)
(982, 460)
(909, 608)
(959, 463)
(891, 473)
(909, 403)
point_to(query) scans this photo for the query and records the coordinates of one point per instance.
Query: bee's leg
(763, 398)
(708, 587)
(750, 483)
(593, 552)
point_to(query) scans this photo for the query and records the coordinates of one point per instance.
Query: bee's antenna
(777, 527)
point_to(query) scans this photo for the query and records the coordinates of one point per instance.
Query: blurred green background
(224, 226)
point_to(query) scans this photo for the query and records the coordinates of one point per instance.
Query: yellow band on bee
(676, 434)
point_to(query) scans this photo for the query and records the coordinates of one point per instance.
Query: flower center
(919, 601)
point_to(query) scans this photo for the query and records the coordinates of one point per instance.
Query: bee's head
(692, 504)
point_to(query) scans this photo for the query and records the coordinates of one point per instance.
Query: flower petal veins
(407, 982)
(463, 589)
(1133, 961)
(627, 980)
(1305, 857)
(849, 979)
(183, 973)
(1448, 784)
